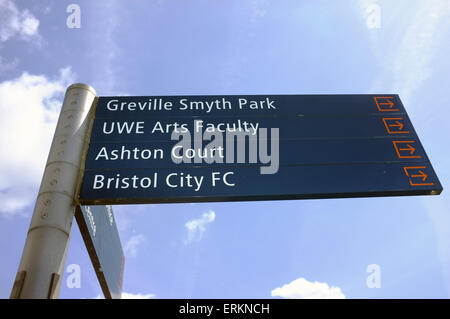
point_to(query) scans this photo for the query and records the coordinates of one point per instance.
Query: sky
(324, 248)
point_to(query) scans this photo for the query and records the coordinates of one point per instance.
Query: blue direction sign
(100, 235)
(225, 148)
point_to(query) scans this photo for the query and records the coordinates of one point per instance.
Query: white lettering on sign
(125, 153)
(221, 139)
(181, 180)
(257, 105)
(150, 105)
(172, 180)
(119, 182)
(206, 106)
(224, 178)
(187, 104)
(178, 153)
(238, 126)
(121, 127)
(170, 127)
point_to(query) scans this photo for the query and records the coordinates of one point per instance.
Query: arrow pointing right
(398, 124)
(389, 102)
(422, 174)
(409, 148)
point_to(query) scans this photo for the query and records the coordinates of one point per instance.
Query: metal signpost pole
(42, 263)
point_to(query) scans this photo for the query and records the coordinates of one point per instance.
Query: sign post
(230, 148)
(42, 263)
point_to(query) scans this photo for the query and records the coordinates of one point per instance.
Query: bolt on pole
(42, 264)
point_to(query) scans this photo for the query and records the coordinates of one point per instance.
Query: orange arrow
(409, 148)
(422, 174)
(389, 102)
(398, 124)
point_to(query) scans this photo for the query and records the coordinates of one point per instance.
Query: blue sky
(305, 248)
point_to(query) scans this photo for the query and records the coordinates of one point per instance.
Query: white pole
(42, 265)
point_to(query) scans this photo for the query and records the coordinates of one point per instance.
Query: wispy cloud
(29, 109)
(132, 245)
(304, 289)
(196, 227)
(104, 58)
(5, 66)
(14, 22)
(258, 9)
(406, 43)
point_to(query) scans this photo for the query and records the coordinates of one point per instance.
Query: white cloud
(29, 108)
(197, 227)
(132, 245)
(15, 22)
(304, 289)
(127, 295)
